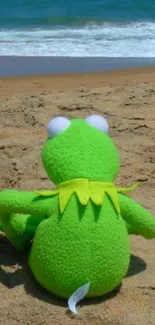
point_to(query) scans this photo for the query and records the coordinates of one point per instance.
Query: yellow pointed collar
(86, 190)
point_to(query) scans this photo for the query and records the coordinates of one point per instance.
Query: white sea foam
(109, 40)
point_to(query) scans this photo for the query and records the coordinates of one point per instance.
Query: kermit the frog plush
(78, 231)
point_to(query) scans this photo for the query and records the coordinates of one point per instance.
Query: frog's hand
(1, 228)
(12, 201)
(140, 220)
(20, 229)
(130, 229)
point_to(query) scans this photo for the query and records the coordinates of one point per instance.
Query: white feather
(78, 295)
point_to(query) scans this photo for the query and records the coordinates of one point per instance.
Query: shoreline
(29, 84)
(13, 66)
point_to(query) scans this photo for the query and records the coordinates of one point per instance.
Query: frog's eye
(98, 122)
(57, 125)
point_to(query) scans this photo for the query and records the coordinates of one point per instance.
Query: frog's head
(80, 149)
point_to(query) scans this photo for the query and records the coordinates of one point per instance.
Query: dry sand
(127, 100)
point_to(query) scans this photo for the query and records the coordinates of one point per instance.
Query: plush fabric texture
(85, 191)
(20, 229)
(85, 243)
(15, 215)
(12, 201)
(137, 217)
(81, 151)
(82, 242)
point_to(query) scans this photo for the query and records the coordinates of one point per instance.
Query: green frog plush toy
(78, 231)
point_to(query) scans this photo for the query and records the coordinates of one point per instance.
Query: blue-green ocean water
(78, 28)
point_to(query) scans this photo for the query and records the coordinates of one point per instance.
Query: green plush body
(85, 243)
(90, 244)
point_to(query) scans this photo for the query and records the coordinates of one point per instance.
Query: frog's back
(84, 244)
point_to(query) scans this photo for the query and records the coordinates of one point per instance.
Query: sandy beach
(126, 98)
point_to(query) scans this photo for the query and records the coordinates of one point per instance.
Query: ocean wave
(91, 39)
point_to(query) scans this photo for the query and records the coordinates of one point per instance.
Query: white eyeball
(57, 125)
(98, 122)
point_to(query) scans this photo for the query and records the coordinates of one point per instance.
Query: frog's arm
(13, 201)
(140, 221)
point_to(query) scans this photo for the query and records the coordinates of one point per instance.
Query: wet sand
(27, 65)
